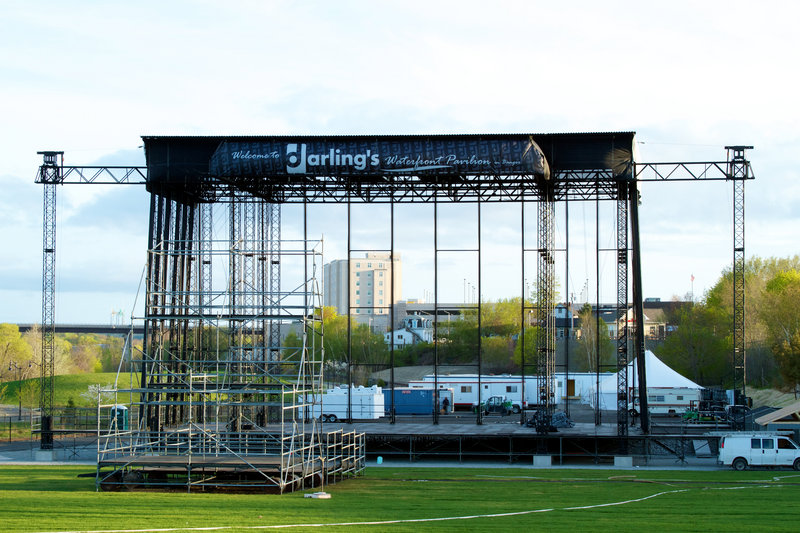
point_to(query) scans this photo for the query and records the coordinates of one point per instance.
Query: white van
(741, 450)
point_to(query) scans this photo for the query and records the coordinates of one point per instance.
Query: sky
(90, 78)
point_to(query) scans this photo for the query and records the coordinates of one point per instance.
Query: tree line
(20, 353)
(700, 347)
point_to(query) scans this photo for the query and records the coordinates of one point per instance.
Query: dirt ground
(771, 397)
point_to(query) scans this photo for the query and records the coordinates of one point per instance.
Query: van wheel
(796, 464)
(740, 464)
(515, 409)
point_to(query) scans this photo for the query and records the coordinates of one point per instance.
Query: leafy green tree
(757, 272)
(498, 354)
(29, 393)
(421, 353)
(13, 349)
(531, 349)
(759, 338)
(501, 318)
(111, 353)
(700, 348)
(85, 353)
(781, 316)
(594, 343)
(366, 347)
(458, 339)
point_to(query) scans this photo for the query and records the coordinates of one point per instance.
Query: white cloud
(689, 77)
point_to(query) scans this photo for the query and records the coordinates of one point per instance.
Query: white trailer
(466, 387)
(366, 403)
(667, 400)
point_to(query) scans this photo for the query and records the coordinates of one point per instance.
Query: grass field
(66, 387)
(34, 498)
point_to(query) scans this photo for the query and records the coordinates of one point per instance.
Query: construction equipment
(497, 405)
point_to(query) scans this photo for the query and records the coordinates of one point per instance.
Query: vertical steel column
(479, 420)
(263, 355)
(349, 313)
(205, 272)
(250, 284)
(232, 366)
(568, 305)
(155, 304)
(638, 312)
(598, 414)
(391, 316)
(738, 171)
(435, 294)
(50, 175)
(172, 289)
(186, 287)
(545, 365)
(622, 310)
(274, 298)
(148, 325)
(523, 307)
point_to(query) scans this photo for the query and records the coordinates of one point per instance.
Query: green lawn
(66, 387)
(55, 499)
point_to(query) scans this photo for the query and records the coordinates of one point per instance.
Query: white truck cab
(741, 450)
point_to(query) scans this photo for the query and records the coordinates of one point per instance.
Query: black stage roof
(384, 167)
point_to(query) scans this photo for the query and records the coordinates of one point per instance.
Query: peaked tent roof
(658, 375)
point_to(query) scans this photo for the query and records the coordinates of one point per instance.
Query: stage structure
(255, 175)
(536, 170)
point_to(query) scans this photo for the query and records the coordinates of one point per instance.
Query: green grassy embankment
(66, 387)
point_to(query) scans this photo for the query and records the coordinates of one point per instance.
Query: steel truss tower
(545, 312)
(622, 310)
(50, 175)
(738, 172)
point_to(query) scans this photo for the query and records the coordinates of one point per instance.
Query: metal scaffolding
(219, 403)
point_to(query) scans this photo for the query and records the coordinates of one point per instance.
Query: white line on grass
(377, 523)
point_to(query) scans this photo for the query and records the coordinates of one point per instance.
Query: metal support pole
(435, 297)
(622, 312)
(523, 306)
(391, 317)
(738, 172)
(349, 313)
(545, 364)
(479, 419)
(568, 306)
(50, 174)
(638, 324)
(598, 415)
(274, 296)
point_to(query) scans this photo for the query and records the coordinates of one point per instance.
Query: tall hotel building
(370, 293)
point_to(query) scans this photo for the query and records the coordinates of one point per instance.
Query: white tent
(658, 375)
